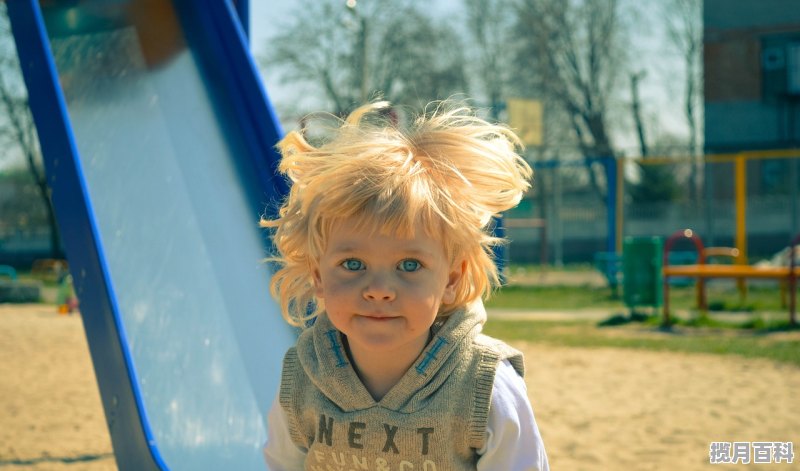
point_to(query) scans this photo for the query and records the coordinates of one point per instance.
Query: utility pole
(362, 70)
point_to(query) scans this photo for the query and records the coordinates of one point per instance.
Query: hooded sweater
(434, 418)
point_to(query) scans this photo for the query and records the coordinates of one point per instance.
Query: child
(385, 257)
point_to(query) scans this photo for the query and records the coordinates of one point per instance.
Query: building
(752, 102)
(752, 74)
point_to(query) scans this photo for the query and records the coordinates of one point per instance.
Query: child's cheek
(342, 287)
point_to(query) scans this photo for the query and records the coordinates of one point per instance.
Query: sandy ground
(50, 411)
(614, 409)
(597, 409)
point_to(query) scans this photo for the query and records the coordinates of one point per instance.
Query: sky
(265, 19)
(266, 14)
(660, 89)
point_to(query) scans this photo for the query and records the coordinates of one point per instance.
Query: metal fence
(564, 219)
(747, 200)
(24, 231)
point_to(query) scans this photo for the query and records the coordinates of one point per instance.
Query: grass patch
(553, 297)
(757, 343)
(521, 268)
(720, 298)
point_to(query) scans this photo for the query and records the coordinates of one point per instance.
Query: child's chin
(381, 341)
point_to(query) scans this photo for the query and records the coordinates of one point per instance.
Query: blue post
(500, 252)
(610, 166)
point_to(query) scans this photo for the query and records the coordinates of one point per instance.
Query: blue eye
(409, 265)
(352, 264)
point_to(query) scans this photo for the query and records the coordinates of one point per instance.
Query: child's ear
(456, 273)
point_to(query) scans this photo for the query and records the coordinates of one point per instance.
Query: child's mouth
(379, 318)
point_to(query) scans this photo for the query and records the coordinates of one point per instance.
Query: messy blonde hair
(448, 175)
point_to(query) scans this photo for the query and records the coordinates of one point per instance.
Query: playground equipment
(703, 270)
(609, 261)
(158, 145)
(739, 161)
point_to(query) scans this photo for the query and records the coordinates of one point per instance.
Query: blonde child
(384, 258)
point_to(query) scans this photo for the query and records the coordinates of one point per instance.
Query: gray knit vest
(433, 419)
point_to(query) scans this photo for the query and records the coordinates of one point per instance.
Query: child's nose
(379, 288)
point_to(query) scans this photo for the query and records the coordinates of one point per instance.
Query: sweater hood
(322, 356)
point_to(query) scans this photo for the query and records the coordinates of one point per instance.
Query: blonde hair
(448, 174)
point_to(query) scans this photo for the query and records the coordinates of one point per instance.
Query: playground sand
(50, 411)
(597, 409)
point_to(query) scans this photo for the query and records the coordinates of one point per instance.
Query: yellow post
(741, 218)
(741, 209)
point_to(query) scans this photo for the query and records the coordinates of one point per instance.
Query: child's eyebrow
(416, 252)
(343, 249)
(346, 249)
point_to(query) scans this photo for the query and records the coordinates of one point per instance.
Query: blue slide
(158, 144)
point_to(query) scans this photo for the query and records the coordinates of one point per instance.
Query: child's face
(384, 292)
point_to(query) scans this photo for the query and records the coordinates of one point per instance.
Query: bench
(703, 270)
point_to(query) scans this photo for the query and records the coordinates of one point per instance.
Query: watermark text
(750, 452)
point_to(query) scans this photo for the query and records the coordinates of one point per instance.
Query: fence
(566, 217)
(749, 200)
(24, 230)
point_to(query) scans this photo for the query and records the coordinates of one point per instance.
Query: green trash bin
(641, 271)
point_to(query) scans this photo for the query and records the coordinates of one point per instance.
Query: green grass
(757, 343)
(720, 298)
(553, 297)
(537, 268)
(756, 327)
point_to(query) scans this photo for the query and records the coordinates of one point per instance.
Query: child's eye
(409, 265)
(352, 264)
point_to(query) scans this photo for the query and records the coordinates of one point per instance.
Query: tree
(572, 51)
(17, 129)
(379, 48)
(656, 182)
(489, 23)
(684, 24)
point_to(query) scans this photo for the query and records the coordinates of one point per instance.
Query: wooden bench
(703, 270)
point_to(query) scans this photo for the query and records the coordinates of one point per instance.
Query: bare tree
(684, 25)
(572, 49)
(636, 111)
(17, 129)
(490, 23)
(352, 53)
(656, 183)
